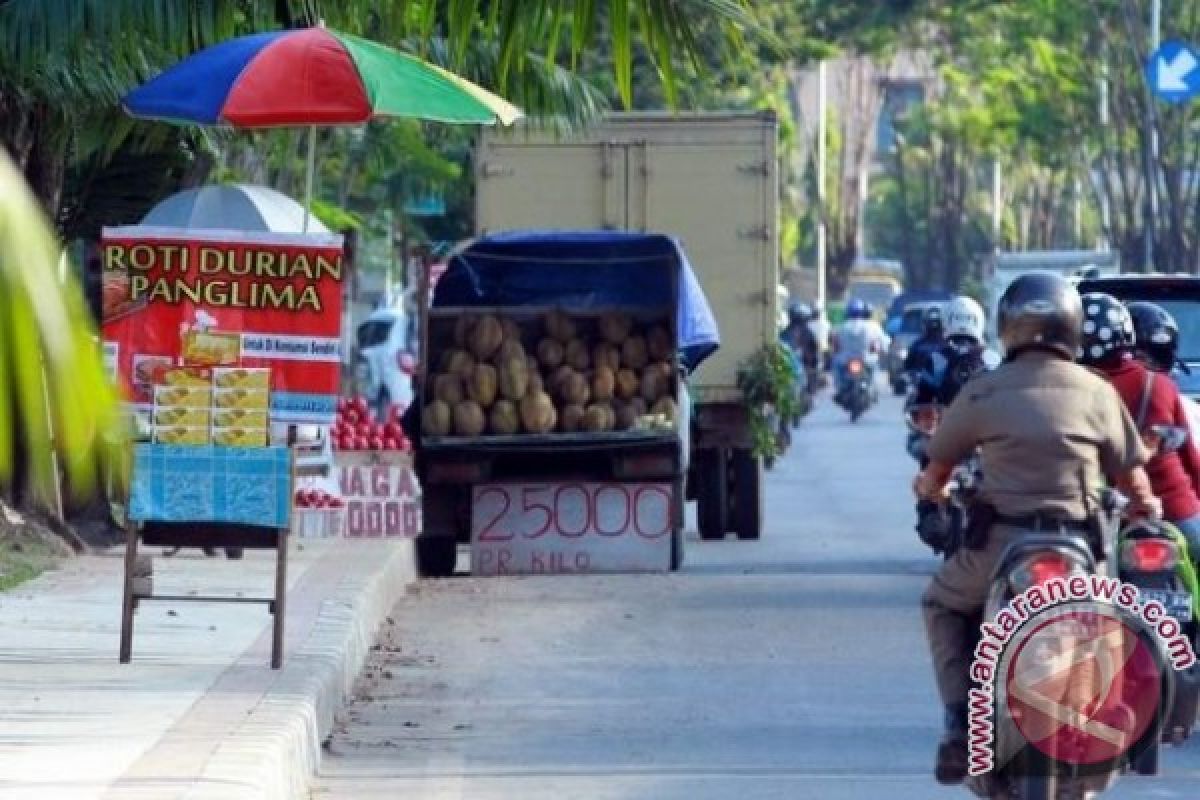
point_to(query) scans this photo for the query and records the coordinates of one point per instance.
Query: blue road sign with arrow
(1174, 72)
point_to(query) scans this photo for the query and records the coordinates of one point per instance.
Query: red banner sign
(226, 298)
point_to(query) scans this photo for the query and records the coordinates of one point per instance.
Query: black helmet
(1156, 334)
(1107, 329)
(1040, 310)
(800, 312)
(931, 323)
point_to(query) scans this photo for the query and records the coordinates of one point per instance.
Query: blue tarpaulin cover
(583, 270)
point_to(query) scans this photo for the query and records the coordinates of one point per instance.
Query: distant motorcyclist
(799, 335)
(1109, 345)
(958, 359)
(918, 364)
(821, 331)
(860, 336)
(1047, 430)
(946, 371)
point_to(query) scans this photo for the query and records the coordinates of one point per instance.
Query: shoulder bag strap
(1144, 403)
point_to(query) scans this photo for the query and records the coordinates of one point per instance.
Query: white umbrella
(236, 207)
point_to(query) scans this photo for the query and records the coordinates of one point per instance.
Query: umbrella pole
(310, 168)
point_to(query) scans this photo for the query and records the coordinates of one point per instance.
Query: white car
(384, 363)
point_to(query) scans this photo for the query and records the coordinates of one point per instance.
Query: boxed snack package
(181, 415)
(207, 348)
(183, 396)
(249, 399)
(240, 437)
(197, 377)
(180, 434)
(239, 418)
(242, 378)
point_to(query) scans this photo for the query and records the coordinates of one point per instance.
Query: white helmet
(964, 317)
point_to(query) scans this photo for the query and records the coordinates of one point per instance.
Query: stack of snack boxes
(183, 406)
(225, 406)
(241, 406)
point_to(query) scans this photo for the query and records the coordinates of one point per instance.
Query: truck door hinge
(755, 168)
(757, 232)
(490, 170)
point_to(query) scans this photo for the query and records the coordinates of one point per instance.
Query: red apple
(351, 416)
(360, 404)
(376, 443)
(337, 502)
(391, 443)
(362, 443)
(406, 446)
(341, 404)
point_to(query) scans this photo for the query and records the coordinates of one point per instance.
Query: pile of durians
(557, 373)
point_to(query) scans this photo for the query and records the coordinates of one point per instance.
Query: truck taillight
(458, 472)
(648, 465)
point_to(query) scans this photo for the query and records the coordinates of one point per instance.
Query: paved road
(794, 667)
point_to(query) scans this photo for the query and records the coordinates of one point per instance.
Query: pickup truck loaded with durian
(553, 403)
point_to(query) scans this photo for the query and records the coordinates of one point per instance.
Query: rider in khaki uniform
(1048, 431)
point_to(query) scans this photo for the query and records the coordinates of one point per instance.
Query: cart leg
(127, 601)
(281, 549)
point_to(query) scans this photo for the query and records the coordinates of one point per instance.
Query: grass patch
(25, 553)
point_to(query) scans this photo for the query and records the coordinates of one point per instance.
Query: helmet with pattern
(1107, 329)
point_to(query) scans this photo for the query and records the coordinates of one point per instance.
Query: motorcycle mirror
(1170, 437)
(1112, 501)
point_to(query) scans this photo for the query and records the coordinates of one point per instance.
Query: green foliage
(768, 386)
(47, 350)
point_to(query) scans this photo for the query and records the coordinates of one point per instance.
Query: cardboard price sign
(383, 500)
(226, 298)
(559, 528)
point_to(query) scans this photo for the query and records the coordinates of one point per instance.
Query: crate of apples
(317, 499)
(319, 514)
(356, 428)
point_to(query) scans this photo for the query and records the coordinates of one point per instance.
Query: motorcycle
(858, 392)
(1021, 771)
(941, 525)
(1153, 557)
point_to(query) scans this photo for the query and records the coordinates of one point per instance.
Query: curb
(275, 752)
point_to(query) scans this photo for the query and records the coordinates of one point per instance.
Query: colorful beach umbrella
(311, 77)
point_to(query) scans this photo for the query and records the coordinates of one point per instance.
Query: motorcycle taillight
(854, 367)
(1149, 555)
(1038, 569)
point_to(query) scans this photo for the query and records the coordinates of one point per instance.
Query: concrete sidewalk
(198, 714)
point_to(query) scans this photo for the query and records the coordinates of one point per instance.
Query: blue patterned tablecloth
(245, 485)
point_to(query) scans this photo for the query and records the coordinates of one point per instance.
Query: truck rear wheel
(747, 513)
(712, 493)
(436, 556)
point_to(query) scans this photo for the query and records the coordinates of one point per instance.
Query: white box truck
(710, 180)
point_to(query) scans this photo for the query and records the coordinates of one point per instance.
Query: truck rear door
(729, 244)
(523, 184)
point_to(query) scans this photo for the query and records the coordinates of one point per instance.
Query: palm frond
(54, 395)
